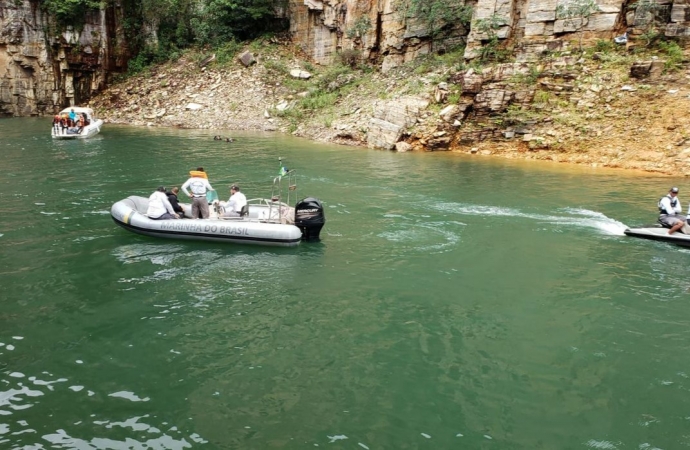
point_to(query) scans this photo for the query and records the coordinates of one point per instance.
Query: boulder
(247, 59)
(402, 147)
(301, 74)
(391, 119)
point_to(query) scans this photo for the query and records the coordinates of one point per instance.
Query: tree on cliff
(576, 14)
(218, 21)
(436, 15)
(69, 12)
(174, 25)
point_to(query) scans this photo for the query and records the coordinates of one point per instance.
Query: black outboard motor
(309, 218)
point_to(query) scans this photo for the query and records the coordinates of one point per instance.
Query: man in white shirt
(670, 211)
(198, 186)
(159, 206)
(233, 207)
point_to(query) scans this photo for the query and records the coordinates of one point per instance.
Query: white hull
(659, 234)
(90, 130)
(129, 213)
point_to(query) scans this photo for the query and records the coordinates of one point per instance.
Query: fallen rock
(298, 73)
(247, 59)
(402, 147)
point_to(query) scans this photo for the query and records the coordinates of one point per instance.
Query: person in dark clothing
(172, 198)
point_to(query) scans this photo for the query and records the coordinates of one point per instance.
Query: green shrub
(331, 74)
(604, 46)
(226, 53)
(350, 57)
(541, 97)
(361, 26)
(69, 12)
(674, 55)
(318, 100)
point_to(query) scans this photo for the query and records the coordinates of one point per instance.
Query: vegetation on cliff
(566, 105)
(584, 107)
(178, 25)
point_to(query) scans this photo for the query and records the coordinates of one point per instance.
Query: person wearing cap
(233, 207)
(159, 206)
(670, 211)
(198, 186)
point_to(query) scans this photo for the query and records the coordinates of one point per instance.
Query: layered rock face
(376, 28)
(323, 27)
(42, 73)
(530, 29)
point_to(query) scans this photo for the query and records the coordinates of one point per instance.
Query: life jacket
(674, 203)
(198, 173)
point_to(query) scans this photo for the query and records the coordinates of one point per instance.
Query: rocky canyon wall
(531, 27)
(43, 69)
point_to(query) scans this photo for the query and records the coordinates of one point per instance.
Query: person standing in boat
(172, 198)
(72, 118)
(237, 201)
(159, 206)
(199, 185)
(56, 123)
(670, 211)
(64, 124)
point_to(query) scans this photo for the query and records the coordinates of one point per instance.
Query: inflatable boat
(263, 221)
(659, 233)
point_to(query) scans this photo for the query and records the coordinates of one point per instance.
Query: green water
(453, 302)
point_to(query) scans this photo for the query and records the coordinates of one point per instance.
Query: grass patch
(226, 53)
(674, 55)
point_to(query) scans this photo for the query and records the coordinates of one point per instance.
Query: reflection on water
(452, 302)
(18, 395)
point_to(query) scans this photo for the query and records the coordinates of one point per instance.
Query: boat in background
(92, 126)
(263, 221)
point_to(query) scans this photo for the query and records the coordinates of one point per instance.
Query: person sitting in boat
(198, 184)
(233, 207)
(670, 211)
(172, 198)
(159, 206)
(80, 123)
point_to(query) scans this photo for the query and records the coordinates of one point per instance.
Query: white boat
(659, 233)
(262, 221)
(91, 127)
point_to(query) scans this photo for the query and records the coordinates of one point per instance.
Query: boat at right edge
(659, 233)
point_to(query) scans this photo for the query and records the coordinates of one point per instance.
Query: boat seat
(244, 212)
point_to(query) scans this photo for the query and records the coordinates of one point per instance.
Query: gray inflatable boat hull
(129, 213)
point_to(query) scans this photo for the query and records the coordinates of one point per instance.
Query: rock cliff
(528, 27)
(43, 68)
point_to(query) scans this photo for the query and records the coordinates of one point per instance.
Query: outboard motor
(309, 218)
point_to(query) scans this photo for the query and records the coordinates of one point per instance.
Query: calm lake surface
(453, 302)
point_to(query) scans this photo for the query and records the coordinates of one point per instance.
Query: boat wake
(577, 217)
